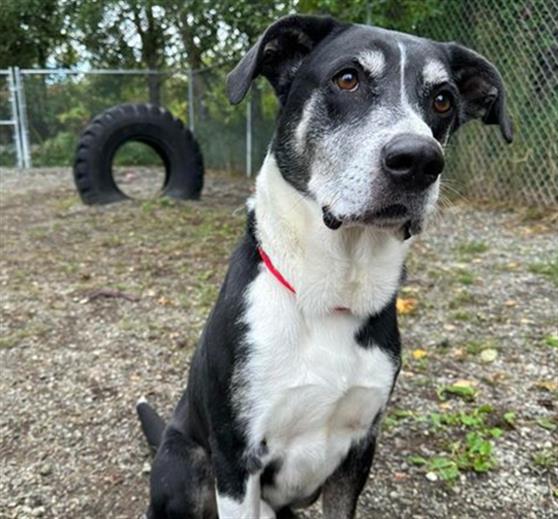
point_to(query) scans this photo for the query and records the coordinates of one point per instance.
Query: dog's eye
(442, 103)
(347, 79)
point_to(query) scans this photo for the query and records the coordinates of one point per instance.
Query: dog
(301, 352)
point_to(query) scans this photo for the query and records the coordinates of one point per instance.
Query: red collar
(279, 277)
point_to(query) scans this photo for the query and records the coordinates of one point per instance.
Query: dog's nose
(412, 161)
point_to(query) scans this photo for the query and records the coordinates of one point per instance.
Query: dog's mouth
(388, 214)
(395, 216)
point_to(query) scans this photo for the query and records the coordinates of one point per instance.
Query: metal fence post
(249, 135)
(15, 117)
(191, 113)
(23, 126)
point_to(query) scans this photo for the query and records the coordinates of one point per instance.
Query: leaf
(462, 388)
(417, 460)
(496, 432)
(510, 417)
(488, 355)
(547, 385)
(419, 354)
(406, 305)
(547, 423)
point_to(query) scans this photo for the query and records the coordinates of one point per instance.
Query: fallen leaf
(488, 355)
(419, 354)
(406, 305)
(465, 383)
(547, 385)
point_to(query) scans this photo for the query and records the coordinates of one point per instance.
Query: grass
(465, 277)
(546, 459)
(551, 341)
(471, 248)
(16, 338)
(463, 297)
(547, 269)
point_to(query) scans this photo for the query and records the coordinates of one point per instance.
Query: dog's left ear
(278, 53)
(481, 86)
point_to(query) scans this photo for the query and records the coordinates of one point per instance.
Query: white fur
(346, 175)
(353, 267)
(434, 73)
(307, 388)
(373, 61)
(302, 128)
(251, 507)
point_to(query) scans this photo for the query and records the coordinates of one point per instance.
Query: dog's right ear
(278, 53)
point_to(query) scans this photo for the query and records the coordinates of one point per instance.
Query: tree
(32, 32)
(123, 34)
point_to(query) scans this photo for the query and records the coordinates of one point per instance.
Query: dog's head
(366, 112)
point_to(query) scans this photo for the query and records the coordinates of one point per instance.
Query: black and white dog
(301, 352)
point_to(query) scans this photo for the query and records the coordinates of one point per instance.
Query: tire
(145, 123)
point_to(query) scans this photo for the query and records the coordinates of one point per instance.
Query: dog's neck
(355, 267)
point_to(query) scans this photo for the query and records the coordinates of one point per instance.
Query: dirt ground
(100, 305)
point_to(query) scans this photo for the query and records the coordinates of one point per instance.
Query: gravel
(101, 305)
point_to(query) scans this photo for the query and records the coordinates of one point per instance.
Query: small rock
(46, 469)
(431, 476)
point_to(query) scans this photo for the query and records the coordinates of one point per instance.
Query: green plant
(472, 247)
(466, 392)
(473, 451)
(548, 269)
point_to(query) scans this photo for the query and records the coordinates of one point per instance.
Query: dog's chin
(396, 218)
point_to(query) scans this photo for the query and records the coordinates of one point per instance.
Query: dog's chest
(310, 390)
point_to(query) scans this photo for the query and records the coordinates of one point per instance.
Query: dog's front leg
(341, 490)
(239, 494)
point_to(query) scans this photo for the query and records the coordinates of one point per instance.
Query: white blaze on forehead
(412, 120)
(434, 72)
(373, 61)
(402, 64)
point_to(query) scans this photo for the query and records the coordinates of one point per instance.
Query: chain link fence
(520, 37)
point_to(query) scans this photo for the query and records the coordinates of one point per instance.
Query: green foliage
(548, 269)
(32, 32)
(464, 392)
(55, 151)
(471, 248)
(136, 154)
(471, 452)
(402, 15)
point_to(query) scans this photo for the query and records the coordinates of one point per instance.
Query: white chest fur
(306, 387)
(309, 390)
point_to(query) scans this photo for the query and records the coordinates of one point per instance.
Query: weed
(465, 392)
(463, 297)
(472, 247)
(551, 341)
(472, 452)
(548, 269)
(546, 458)
(464, 277)
(462, 316)
(547, 423)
